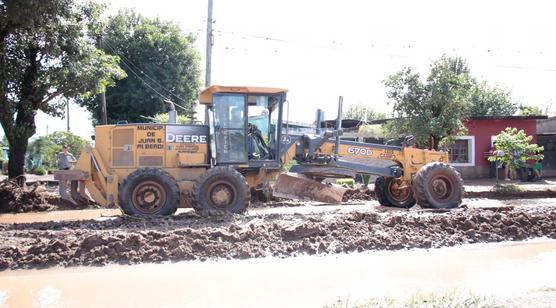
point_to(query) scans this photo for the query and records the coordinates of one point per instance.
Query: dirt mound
(359, 194)
(34, 198)
(188, 237)
(16, 199)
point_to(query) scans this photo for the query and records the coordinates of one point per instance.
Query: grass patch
(431, 300)
(287, 167)
(507, 188)
(349, 182)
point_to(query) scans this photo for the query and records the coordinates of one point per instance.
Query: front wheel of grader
(438, 185)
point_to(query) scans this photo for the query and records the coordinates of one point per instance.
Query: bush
(47, 147)
(349, 182)
(40, 170)
(507, 188)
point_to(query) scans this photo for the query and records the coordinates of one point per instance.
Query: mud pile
(16, 199)
(34, 198)
(189, 237)
(358, 194)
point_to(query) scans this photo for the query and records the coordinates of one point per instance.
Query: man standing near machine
(65, 162)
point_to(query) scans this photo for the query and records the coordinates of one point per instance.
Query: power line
(145, 74)
(336, 45)
(146, 83)
(150, 87)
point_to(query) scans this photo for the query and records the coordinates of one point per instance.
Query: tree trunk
(435, 142)
(16, 163)
(24, 126)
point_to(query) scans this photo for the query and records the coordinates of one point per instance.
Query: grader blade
(77, 193)
(297, 186)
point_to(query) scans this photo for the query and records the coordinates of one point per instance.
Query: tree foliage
(45, 54)
(434, 108)
(47, 147)
(164, 118)
(487, 101)
(362, 113)
(375, 131)
(514, 148)
(530, 111)
(160, 62)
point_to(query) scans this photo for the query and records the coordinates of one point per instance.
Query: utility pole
(209, 45)
(68, 115)
(102, 96)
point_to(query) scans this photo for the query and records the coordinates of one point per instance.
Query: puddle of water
(503, 269)
(58, 215)
(306, 209)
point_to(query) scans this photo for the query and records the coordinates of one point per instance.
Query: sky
(320, 50)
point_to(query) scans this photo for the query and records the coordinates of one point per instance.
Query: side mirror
(409, 141)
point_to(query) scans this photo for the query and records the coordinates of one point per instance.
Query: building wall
(546, 126)
(548, 141)
(483, 130)
(481, 133)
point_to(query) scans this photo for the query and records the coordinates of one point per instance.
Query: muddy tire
(149, 192)
(388, 195)
(438, 185)
(221, 189)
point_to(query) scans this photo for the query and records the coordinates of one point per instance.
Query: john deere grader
(152, 169)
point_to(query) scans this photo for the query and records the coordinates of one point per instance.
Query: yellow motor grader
(152, 169)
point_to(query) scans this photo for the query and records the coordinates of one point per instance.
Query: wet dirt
(361, 194)
(33, 198)
(187, 236)
(16, 199)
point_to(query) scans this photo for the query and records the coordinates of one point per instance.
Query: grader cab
(152, 169)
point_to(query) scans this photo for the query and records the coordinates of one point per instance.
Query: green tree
(362, 113)
(49, 146)
(514, 148)
(45, 54)
(530, 111)
(431, 109)
(486, 101)
(163, 118)
(160, 62)
(374, 130)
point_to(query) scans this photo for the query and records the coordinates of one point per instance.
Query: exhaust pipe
(320, 119)
(338, 127)
(172, 114)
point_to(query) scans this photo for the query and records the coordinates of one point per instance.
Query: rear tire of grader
(438, 185)
(221, 189)
(149, 192)
(388, 195)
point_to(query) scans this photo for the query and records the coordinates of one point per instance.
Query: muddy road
(518, 274)
(262, 233)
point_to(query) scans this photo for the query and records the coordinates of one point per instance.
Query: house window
(461, 153)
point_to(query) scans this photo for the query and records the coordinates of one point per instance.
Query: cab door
(230, 120)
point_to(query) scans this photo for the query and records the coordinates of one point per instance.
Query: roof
(532, 117)
(297, 124)
(351, 123)
(206, 95)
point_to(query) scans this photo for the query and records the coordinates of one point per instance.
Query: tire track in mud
(189, 237)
